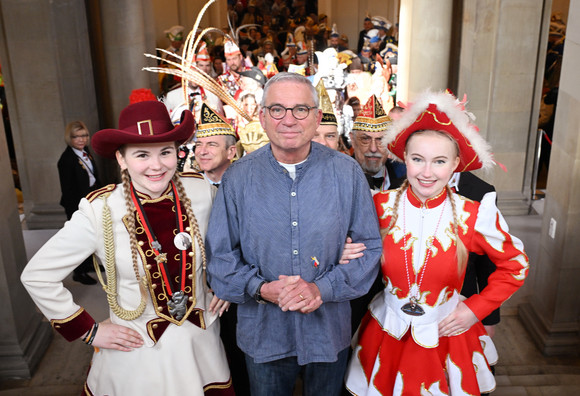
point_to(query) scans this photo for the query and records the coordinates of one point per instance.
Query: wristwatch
(258, 295)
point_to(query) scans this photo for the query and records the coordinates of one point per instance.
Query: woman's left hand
(218, 305)
(458, 321)
(351, 251)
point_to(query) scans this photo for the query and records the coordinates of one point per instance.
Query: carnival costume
(162, 294)
(398, 350)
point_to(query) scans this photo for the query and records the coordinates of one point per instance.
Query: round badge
(182, 241)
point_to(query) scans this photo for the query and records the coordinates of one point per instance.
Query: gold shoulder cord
(111, 288)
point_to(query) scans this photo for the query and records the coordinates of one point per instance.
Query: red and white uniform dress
(179, 357)
(399, 354)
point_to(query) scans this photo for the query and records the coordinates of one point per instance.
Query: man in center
(276, 233)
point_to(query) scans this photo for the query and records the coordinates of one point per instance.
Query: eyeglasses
(299, 112)
(365, 140)
(80, 137)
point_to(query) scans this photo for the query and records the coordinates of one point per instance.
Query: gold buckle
(148, 122)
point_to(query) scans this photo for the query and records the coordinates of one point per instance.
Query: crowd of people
(270, 225)
(289, 37)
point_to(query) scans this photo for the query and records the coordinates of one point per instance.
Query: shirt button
(295, 252)
(293, 193)
(294, 223)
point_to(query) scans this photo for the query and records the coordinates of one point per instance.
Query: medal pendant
(413, 308)
(178, 305)
(182, 241)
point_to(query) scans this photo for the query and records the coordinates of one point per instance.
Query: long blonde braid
(192, 222)
(462, 253)
(131, 227)
(385, 231)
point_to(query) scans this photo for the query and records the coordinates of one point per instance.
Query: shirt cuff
(74, 326)
(325, 289)
(253, 285)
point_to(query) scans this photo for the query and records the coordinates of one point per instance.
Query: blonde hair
(433, 132)
(73, 127)
(130, 219)
(462, 253)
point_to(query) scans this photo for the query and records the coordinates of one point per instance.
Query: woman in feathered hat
(162, 333)
(419, 335)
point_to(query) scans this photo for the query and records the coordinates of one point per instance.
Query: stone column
(497, 71)
(553, 312)
(24, 335)
(49, 82)
(127, 34)
(424, 46)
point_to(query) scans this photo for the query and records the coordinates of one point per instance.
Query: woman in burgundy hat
(419, 335)
(162, 334)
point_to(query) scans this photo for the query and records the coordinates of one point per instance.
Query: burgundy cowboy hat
(142, 122)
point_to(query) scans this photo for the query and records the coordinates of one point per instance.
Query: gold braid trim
(110, 269)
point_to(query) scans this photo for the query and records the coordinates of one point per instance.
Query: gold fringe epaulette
(197, 175)
(108, 189)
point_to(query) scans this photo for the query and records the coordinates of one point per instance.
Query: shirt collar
(430, 203)
(146, 198)
(381, 172)
(78, 152)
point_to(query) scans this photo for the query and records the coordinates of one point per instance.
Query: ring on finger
(301, 297)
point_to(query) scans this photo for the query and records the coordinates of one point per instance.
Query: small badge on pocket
(315, 260)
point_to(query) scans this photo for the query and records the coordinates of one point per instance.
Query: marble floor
(521, 371)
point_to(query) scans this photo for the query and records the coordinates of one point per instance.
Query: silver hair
(289, 77)
(230, 140)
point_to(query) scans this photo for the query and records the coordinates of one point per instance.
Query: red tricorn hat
(142, 122)
(441, 111)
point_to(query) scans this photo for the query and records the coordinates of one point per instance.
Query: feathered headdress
(187, 69)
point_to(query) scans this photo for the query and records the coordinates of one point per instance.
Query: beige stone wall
(498, 65)
(423, 47)
(552, 315)
(49, 82)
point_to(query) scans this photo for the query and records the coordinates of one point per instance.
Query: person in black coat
(479, 267)
(78, 176)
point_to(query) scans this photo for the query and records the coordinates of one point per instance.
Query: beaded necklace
(413, 307)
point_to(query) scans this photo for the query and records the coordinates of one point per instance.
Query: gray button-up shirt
(265, 224)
